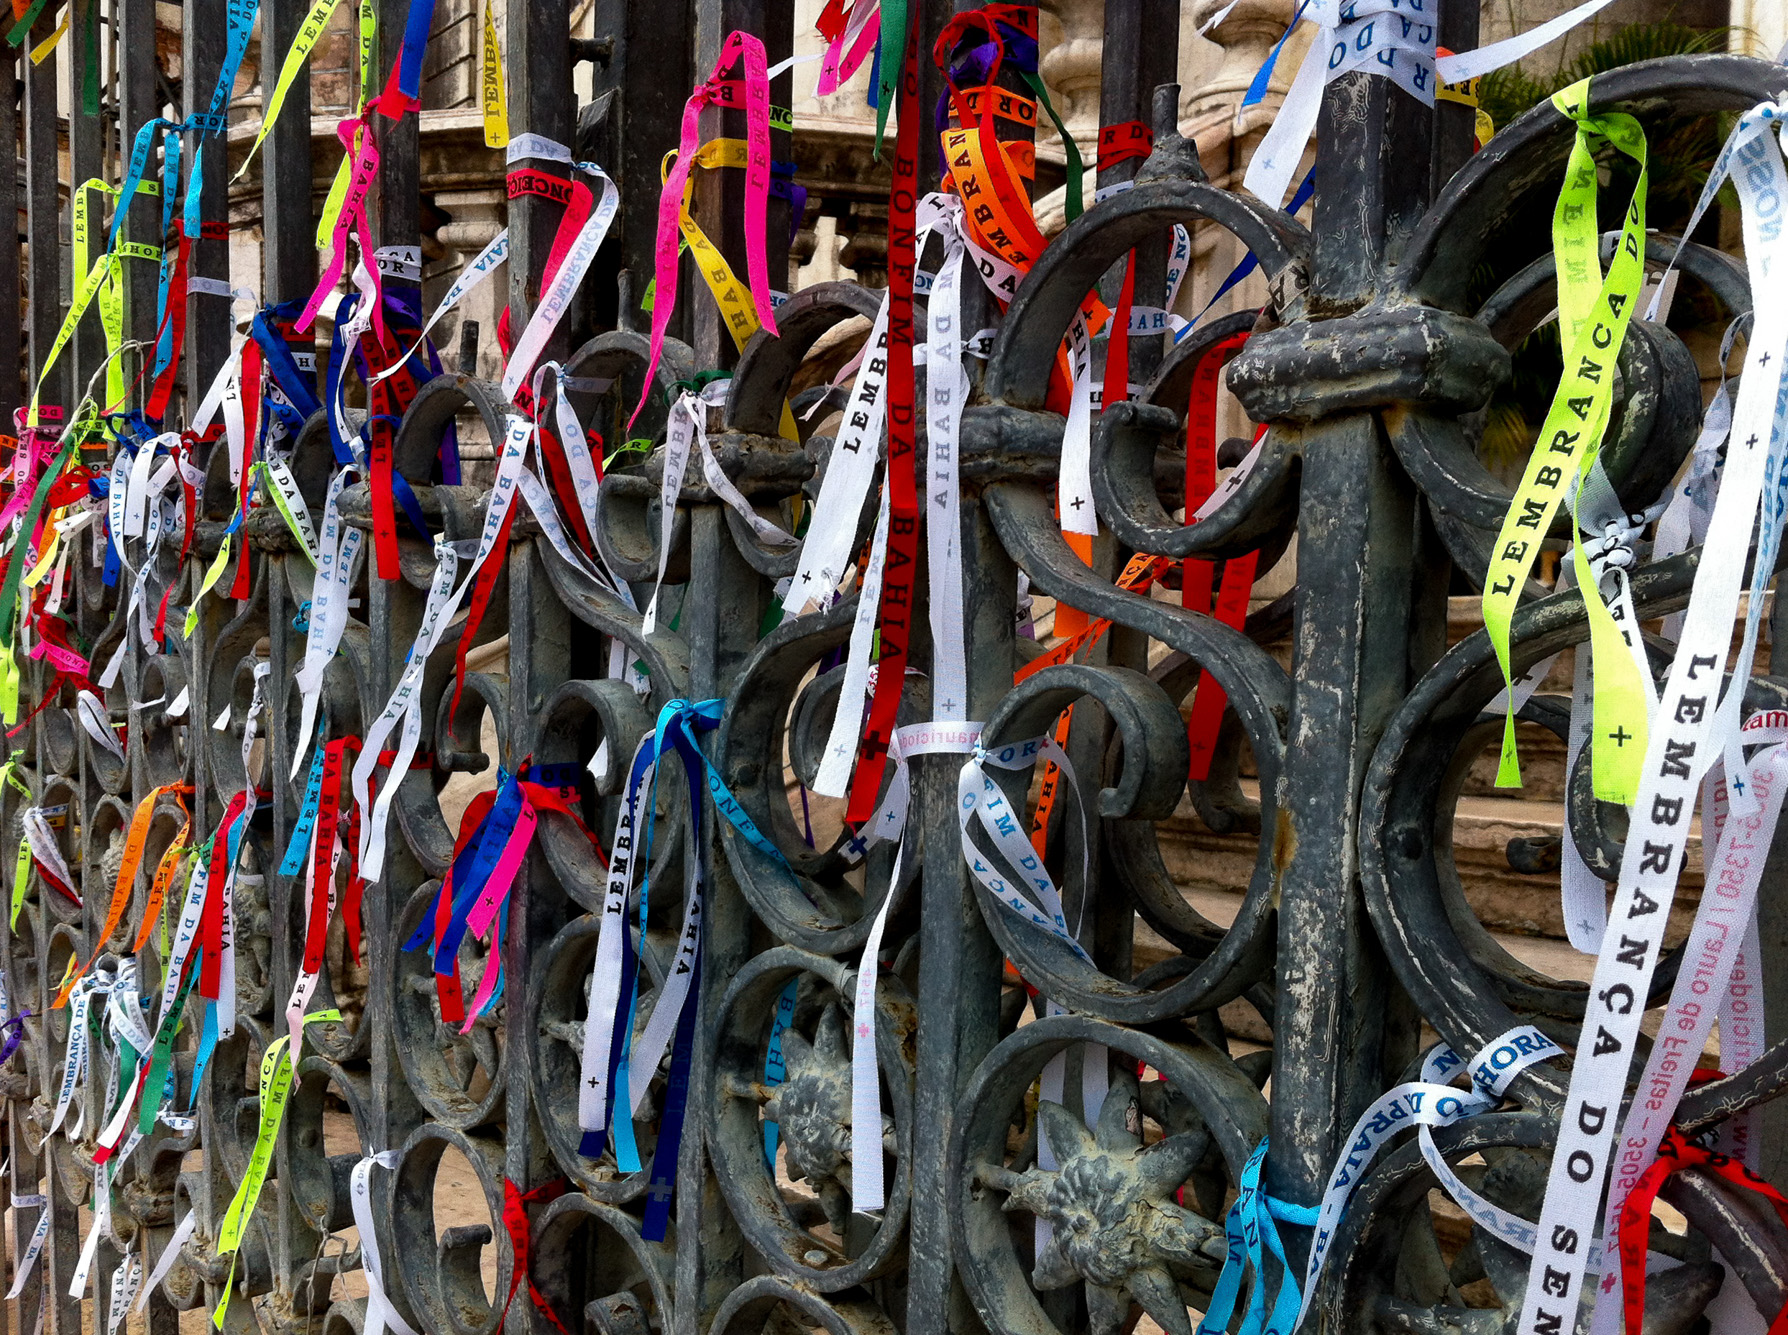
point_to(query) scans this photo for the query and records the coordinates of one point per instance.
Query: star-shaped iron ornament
(1114, 1222)
(812, 1109)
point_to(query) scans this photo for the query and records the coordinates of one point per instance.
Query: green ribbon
(1594, 311)
(888, 70)
(22, 29)
(1075, 202)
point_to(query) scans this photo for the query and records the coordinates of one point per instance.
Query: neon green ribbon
(15, 569)
(276, 1089)
(302, 45)
(283, 488)
(90, 286)
(22, 864)
(1594, 312)
(212, 575)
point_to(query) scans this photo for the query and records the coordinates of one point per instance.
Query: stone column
(474, 219)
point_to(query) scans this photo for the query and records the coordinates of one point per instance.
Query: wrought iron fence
(1340, 738)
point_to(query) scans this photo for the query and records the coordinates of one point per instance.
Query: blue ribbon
(481, 856)
(1257, 90)
(409, 62)
(307, 817)
(133, 176)
(1300, 197)
(1250, 1220)
(679, 724)
(775, 1070)
(298, 386)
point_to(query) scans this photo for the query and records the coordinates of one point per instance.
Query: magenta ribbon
(352, 216)
(738, 45)
(484, 913)
(23, 488)
(67, 660)
(839, 64)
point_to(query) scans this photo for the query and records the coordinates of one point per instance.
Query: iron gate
(1389, 321)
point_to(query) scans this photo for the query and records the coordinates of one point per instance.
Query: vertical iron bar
(539, 660)
(289, 255)
(41, 171)
(12, 387)
(1350, 659)
(710, 1251)
(540, 102)
(207, 316)
(958, 955)
(650, 75)
(139, 100)
(720, 194)
(957, 952)
(84, 163)
(397, 202)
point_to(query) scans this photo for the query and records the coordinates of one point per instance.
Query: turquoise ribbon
(1250, 1221)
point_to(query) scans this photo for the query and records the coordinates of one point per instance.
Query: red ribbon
(210, 938)
(387, 399)
(1197, 574)
(903, 498)
(323, 847)
(1674, 1155)
(447, 985)
(356, 891)
(1117, 143)
(515, 1220)
(174, 318)
(575, 196)
(482, 588)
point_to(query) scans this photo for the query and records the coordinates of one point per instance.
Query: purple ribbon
(15, 1034)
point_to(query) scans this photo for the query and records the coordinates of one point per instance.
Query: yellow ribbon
(496, 104)
(41, 52)
(736, 305)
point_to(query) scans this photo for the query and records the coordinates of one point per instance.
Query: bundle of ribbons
(1679, 746)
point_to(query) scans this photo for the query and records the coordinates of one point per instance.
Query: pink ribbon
(484, 913)
(353, 215)
(65, 659)
(22, 485)
(757, 194)
(842, 57)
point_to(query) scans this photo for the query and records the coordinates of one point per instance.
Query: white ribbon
(605, 975)
(337, 547)
(381, 1312)
(1376, 36)
(1726, 917)
(1684, 741)
(850, 468)
(833, 779)
(1421, 1103)
(558, 294)
(946, 389)
(169, 1254)
(125, 1280)
(483, 265)
(28, 1262)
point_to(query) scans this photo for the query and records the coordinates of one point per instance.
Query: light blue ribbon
(1250, 1220)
